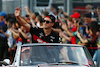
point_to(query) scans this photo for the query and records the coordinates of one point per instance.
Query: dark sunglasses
(46, 21)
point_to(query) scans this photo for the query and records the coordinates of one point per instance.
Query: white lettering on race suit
(51, 40)
(41, 35)
(40, 41)
(52, 37)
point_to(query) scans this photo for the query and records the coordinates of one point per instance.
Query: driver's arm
(23, 23)
(64, 54)
(21, 20)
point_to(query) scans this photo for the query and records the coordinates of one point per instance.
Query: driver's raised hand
(17, 11)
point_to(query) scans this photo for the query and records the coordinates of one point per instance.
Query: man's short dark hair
(88, 15)
(26, 15)
(36, 13)
(7, 17)
(11, 21)
(39, 18)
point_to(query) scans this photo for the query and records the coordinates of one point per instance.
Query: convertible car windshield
(70, 55)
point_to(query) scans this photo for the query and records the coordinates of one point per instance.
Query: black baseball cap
(51, 17)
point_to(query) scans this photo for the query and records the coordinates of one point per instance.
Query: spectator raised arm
(28, 10)
(81, 39)
(64, 27)
(21, 20)
(23, 34)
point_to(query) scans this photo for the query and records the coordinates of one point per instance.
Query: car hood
(54, 66)
(49, 66)
(62, 66)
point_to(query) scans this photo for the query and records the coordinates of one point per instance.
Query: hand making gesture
(17, 11)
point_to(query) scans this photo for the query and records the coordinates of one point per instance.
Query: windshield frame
(55, 44)
(51, 44)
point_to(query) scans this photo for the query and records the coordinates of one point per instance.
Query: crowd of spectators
(72, 29)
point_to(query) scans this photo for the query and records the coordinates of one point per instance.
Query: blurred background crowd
(80, 28)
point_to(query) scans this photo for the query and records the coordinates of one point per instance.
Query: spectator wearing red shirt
(75, 16)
